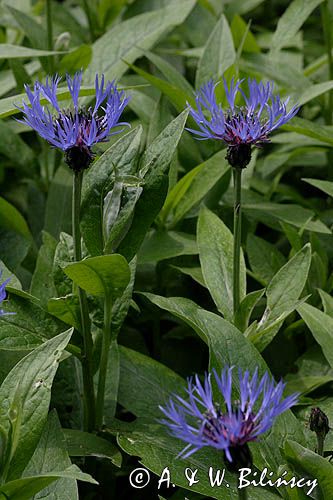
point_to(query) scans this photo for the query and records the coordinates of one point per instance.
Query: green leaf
(304, 385)
(30, 326)
(292, 214)
(63, 255)
(122, 304)
(122, 158)
(288, 283)
(160, 245)
(215, 243)
(42, 284)
(291, 21)
(13, 248)
(285, 75)
(282, 294)
(158, 155)
(67, 309)
(176, 95)
(84, 444)
(10, 218)
(5, 274)
(294, 236)
(170, 73)
(153, 165)
(59, 203)
(8, 51)
(218, 55)
(242, 6)
(239, 29)
(50, 455)
(325, 186)
(157, 388)
(133, 35)
(119, 205)
(264, 258)
(108, 11)
(193, 187)
(76, 59)
(194, 272)
(25, 488)
(25, 396)
(327, 301)
(112, 382)
(34, 31)
(312, 92)
(14, 148)
(106, 275)
(246, 308)
(311, 129)
(321, 327)
(313, 465)
(141, 104)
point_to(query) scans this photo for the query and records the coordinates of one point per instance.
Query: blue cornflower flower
(227, 425)
(240, 127)
(3, 295)
(75, 130)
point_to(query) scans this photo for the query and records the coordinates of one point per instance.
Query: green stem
(49, 29)
(237, 237)
(326, 23)
(106, 341)
(87, 372)
(242, 494)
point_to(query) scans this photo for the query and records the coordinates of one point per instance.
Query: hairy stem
(87, 372)
(106, 341)
(237, 237)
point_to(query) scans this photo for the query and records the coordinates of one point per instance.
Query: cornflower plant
(240, 127)
(75, 131)
(225, 424)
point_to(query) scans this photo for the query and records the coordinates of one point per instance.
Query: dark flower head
(225, 424)
(74, 130)
(319, 422)
(3, 295)
(240, 127)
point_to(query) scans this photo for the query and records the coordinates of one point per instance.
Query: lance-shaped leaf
(310, 464)
(321, 327)
(153, 165)
(119, 161)
(106, 275)
(218, 55)
(25, 396)
(50, 455)
(26, 487)
(283, 294)
(215, 243)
